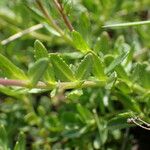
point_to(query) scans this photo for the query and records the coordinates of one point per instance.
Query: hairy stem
(139, 122)
(52, 22)
(61, 11)
(11, 82)
(61, 85)
(19, 83)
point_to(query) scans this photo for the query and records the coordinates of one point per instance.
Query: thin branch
(10, 82)
(147, 124)
(52, 22)
(49, 17)
(64, 16)
(21, 33)
(19, 83)
(135, 120)
(62, 85)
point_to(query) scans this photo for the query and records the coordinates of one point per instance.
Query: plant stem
(21, 33)
(19, 83)
(135, 120)
(10, 82)
(62, 85)
(61, 11)
(52, 22)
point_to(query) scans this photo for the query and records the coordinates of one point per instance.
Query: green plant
(77, 98)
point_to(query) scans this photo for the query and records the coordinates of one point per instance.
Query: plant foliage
(72, 73)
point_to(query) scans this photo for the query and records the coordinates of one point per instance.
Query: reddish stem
(21, 83)
(61, 11)
(11, 82)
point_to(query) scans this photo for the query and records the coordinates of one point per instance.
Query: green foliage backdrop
(72, 72)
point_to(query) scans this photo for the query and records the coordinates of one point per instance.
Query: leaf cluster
(72, 89)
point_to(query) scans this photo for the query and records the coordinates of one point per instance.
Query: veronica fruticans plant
(49, 67)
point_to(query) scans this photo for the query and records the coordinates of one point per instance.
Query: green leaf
(79, 42)
(120, 121)
(102, 127)
(75, 94)
(41, 52)
(141, 75)
(128, 102)
(3, 138)
(85, 115)
(37, 70)
(119, 68)
(119, 43)
(121, 46)
(32, 118)
(41, 111)
(111, 80)
(84, 26)
(98, 67)
(62, 70)
(108, 59)
(116, 62)
(20, 144)
(75, 133)
(123, 87)
(102, 43)
(11, 70)
(84, 68)
(10, 92)
(121, 72)
(51, 30)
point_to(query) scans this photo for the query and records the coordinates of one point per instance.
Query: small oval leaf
(84, 68)
(98, 67)
(37, 70)
(40, 52)
(62, 70)
(79, 42)
(103, 43)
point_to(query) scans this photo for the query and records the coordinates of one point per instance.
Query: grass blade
(3, 138)
(20, 144)
(127, 24)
